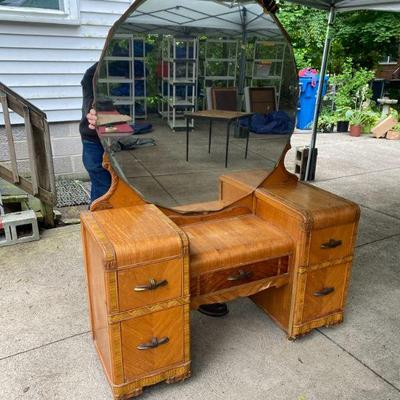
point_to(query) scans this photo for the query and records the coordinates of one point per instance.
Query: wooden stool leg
(247, 138)
(209, 137)
(228, 130)
(187, 139)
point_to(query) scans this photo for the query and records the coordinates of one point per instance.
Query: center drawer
(230, 277)
(150, 284)
(152, 342)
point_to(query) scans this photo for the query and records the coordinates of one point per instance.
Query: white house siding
(45, 63)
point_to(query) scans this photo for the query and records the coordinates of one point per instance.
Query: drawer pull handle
(333, 243)
(241, 276)
(151, 286)
(324, 292)
(155, 342)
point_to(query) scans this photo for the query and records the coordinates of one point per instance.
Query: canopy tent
(228, 18)
(244, 19)
(333, 6)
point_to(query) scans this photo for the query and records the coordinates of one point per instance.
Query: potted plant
(352, 89)
(370, 119)
(326, 122)
(342, 121)
(356, 123)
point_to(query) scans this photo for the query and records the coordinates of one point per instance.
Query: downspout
(311, 162)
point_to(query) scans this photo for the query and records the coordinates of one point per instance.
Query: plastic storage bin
(308, 99)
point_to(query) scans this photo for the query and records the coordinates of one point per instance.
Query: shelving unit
(123, 78)
(179, 75)
(220, 63)
(266, 66)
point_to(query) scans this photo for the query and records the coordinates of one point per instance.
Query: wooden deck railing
(41, 182)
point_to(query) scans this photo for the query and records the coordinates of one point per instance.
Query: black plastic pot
(343, 126)
(328, 129)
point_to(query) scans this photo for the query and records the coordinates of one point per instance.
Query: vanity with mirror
(176, 232)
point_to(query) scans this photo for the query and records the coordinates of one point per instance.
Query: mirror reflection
(191, 92)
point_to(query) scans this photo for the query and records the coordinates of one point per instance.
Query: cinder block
(302, 154)
(20, 227)
(64, 129)
(24, 167)
(62, 165)
(68, 146)
(5, 234)
(77, 164)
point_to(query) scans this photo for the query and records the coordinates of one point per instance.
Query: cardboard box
(384, 127)
(393, 135)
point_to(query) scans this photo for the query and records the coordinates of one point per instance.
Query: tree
(365, 36)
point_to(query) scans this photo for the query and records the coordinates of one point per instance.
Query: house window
(46, 11)
(46, 4)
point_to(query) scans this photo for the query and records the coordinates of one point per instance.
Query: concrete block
(4, 155)
(62, 165)
(5, 234)
(302, 154)
(21, 149)
(64, 129)
(24, 167)
(77, 165)
(66, 146)
(17, 130)
(20, 227)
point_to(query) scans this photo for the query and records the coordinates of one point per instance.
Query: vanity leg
(179, 378)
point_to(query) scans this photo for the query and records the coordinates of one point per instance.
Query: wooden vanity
(285, 244)
(155, 246)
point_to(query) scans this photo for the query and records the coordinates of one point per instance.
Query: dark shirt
(87, 91)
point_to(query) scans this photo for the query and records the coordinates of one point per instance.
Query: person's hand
(92, 118)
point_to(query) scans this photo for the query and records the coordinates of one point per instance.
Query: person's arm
(87, 125)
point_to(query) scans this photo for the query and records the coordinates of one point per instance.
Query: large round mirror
(229, 63)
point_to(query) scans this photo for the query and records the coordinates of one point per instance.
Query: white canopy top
(351, 5)
(219, 17)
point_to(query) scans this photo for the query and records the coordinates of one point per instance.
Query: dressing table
(151, 255)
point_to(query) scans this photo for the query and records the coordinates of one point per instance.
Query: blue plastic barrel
(308, 99)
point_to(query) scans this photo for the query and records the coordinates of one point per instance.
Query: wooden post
(10, 139)
(31, 151)
(45, 171)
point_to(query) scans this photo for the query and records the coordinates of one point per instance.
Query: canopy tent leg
(328, 40)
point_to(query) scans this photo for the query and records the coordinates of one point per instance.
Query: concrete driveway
(46, 350)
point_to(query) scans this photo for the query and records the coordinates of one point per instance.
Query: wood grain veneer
(285, 244)
(313, 218)
(125, 248)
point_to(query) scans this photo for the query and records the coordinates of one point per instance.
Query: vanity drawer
(331, 243)
(150, 284)
(152, 342)
(325, 291)
(230, 277)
